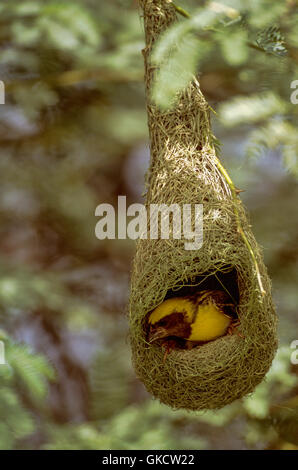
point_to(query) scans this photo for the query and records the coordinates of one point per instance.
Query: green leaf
(272, 41)
(234, 47)
(177, 54)
(33, 370)
(247, 110)
(176, 74)
(16, 423)
(290, 158)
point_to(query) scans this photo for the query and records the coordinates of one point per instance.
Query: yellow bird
(201, 317)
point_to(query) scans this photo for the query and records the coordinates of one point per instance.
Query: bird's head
(174, 324)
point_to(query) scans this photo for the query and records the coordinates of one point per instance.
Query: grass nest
(185, 169)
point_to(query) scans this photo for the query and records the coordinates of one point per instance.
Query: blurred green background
(73, 135)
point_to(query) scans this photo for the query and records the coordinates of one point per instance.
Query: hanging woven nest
(184, 169)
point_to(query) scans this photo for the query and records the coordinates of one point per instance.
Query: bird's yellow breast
(170, 306)
(209, 323)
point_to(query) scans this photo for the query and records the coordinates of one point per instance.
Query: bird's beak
(157, 334)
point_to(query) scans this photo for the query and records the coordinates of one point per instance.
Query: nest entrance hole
(223, 280)
(226, 279)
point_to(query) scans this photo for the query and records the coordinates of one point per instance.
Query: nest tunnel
(226, 279)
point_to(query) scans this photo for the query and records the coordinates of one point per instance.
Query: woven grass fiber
(184, 169)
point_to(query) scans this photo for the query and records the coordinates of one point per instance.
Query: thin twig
(224, 287)
(181, 11)
(250, 44)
